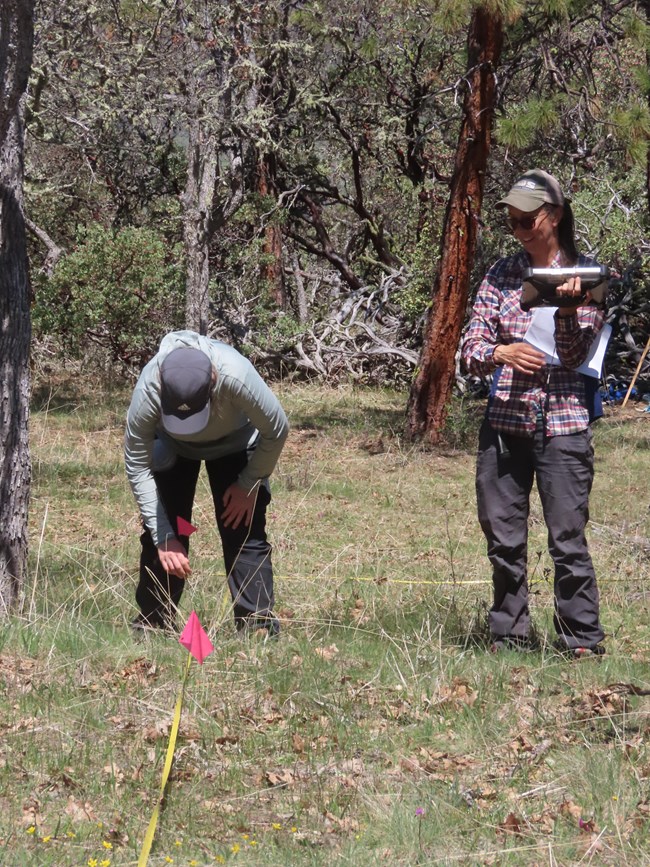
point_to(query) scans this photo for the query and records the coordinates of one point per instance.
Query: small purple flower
(419, 812)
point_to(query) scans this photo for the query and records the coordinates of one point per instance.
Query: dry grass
(377, 730)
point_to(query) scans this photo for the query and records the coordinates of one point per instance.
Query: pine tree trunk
(16, 43)
(433, 384)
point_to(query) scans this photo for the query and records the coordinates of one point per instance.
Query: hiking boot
(581, 652)
(511, 642)
(142, 626)
(264, 627)
(578, 652)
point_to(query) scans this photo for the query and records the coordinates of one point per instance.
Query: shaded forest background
(276, 174)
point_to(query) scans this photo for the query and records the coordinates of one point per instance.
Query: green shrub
(118, 290)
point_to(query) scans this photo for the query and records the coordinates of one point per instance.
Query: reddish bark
(271, 271)
(434, 381)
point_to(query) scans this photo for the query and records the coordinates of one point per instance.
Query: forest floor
(377, 729)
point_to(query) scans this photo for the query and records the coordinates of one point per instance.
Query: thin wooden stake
(636, 372)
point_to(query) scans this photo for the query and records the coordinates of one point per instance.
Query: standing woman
(537, 425)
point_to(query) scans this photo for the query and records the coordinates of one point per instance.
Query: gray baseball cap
(532, 190)
(185, 387)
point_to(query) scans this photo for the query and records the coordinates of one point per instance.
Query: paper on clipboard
(541, 335)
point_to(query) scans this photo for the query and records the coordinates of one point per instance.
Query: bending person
(537, 424)
(200, 400)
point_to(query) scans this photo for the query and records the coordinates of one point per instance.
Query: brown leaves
(32, 813)
(525, 750)
(187, 730)
(346, 824)
(18, 672)
(283, 777)
(141, 670)
(137, 673)
(601, 703)
(607, 701)
(456, 694)
(160, 729)
(575, 813)
(512, 824)
(437, 765)
(360, 614)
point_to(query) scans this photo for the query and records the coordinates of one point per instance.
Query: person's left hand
(239, 506)
(571, 288)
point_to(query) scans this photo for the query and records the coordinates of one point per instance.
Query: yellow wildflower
(31, 829)
(106, 844)
(46, 839)
(235, 848)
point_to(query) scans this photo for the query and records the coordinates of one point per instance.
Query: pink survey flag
(195, 639)
(184, 527)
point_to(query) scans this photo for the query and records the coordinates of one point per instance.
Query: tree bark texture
(16, 44)
(198, 200)
(646, 8)
(435, 377)
(271, 270)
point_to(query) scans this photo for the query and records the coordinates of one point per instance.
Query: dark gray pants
(246, 551)
(563, 467)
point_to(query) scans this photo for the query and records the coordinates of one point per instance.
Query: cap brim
(522, 201)
(186, 426)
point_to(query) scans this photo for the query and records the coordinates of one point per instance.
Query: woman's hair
(566, 236)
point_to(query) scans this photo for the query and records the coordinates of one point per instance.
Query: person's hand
(571, 289)
(173, 558)
(522, 356)
(239, 506)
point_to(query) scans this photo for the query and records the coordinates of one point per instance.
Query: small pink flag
(184, 527)
(195, 639)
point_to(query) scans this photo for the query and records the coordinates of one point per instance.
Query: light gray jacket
(244, 413)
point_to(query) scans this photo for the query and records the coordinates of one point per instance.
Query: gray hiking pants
(563, 467)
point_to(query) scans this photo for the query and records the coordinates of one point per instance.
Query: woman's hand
(239, 506)
(571, 289)
(522, 356)
(173, 558)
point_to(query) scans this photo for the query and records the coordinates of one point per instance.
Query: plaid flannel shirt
(517, 399)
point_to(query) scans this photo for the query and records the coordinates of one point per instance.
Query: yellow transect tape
(395, 580)
(173, 734)
(608, 579)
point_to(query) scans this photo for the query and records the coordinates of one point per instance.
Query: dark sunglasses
(526, 223)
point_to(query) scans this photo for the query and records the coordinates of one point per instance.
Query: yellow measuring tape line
(607, 579)
(392, 580)
(445, 582)
(173, 734)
